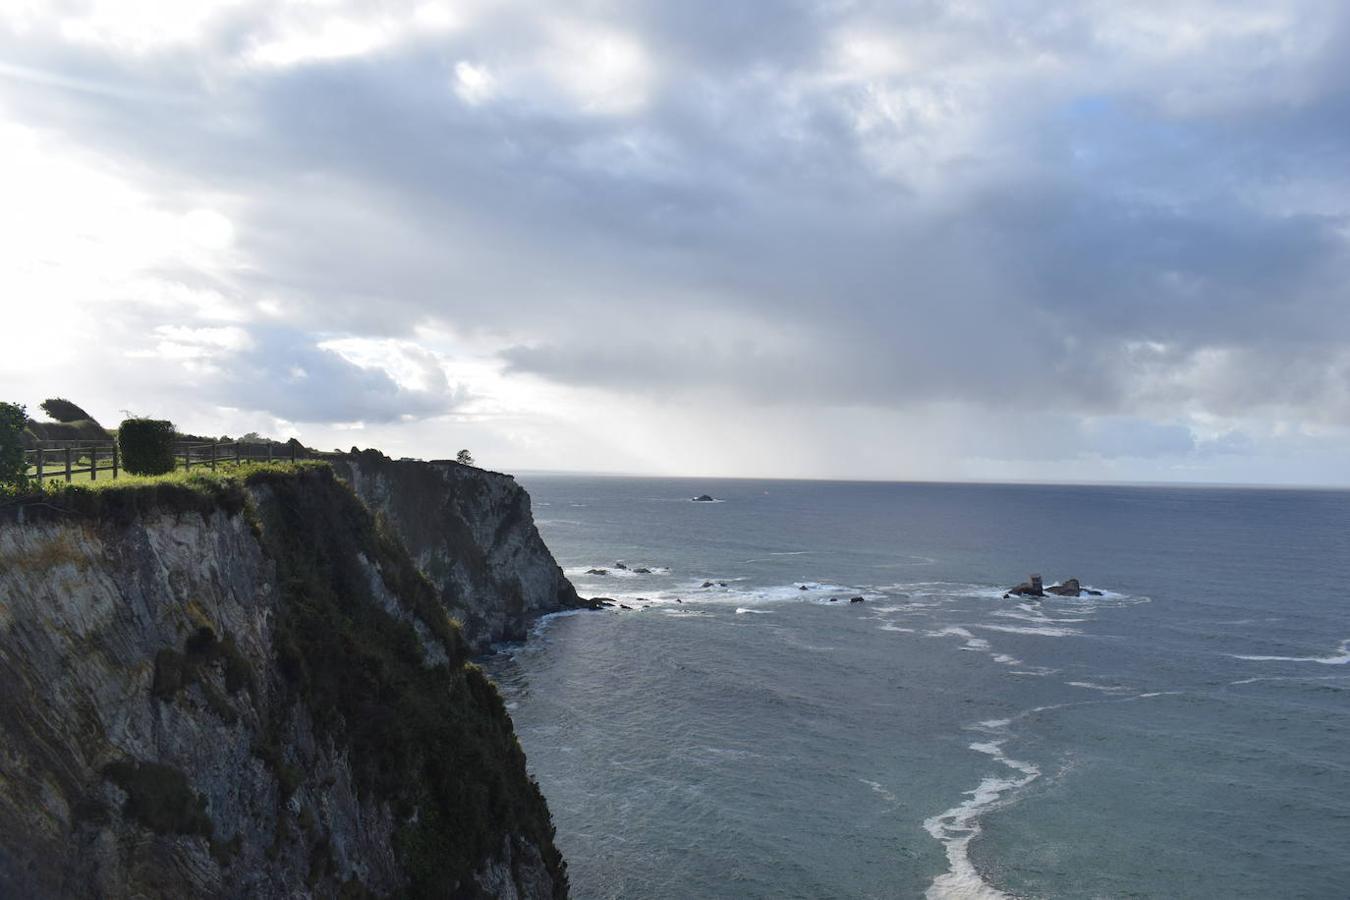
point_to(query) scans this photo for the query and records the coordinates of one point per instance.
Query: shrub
(464, 458)
(146, 446)
(13, 418)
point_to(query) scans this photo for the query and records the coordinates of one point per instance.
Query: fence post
(292, 453)
(269, 451)
(39, 465)
(114, 462)
(67, 464)
(213, 457)
(237, 448)
(93, 462)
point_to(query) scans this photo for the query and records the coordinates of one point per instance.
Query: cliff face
(471, 532)
(244, 689)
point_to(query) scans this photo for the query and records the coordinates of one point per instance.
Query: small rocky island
(1034, 587)
(704, 498)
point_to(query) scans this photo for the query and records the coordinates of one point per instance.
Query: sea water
(1186, 734)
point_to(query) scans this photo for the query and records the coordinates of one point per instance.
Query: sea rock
(857, 599)
(597, 571)
(707, 584)
(642, 570)
(801, 587)
(625, 606)
(834, 599)
(1032, 587)
(620, 566)
(1071, 588)
(704, 498)
(598, 602)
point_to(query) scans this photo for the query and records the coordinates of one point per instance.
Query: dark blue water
(1185, 735)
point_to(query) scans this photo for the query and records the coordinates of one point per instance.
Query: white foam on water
(1007, 660)
(877, 788)
(1044, 631)
(958, 826)
(891, 626)
(742, 610)
(971, 642)
(1340, 658)
(1104, 688)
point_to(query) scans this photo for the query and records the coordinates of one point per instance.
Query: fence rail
(66, 459)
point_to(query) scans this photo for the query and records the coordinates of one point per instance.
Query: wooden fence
(66, 459)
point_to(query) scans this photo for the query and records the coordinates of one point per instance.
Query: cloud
(1129, 218)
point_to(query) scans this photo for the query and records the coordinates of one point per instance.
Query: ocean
(1186, 734)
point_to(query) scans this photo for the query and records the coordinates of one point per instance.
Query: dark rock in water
(642, 570)
(678, 600)
(721, 584)
(834, 599)
(1032, 587)
(856, 599)
(1070, 587)
(801, 587)
(597, 571)
(707, 584)
(625, 606)
(619, 565)
(704, 498)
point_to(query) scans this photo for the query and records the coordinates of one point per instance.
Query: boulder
(801, 587)
(1069, 587)
(619, 565)
(704, 498)
(597, 571)
(707, 584)
(625, 606)
(857, 599)
(834, 599)
(1032, 587)
(642, 570)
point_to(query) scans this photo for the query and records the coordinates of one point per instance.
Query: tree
(13, 469)
(62, 410)
(464, 458)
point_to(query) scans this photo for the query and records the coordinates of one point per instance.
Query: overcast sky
(981, 239)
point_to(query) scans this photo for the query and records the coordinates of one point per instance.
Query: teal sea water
(1185, 735)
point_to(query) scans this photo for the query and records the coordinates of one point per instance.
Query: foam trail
(958, 826)
(1341, 658)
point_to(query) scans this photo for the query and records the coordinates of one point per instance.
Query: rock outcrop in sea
(245, 688)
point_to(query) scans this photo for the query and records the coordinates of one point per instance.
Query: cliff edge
(472, 533)
(240, 686)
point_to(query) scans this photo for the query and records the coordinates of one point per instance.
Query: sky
(979, 239)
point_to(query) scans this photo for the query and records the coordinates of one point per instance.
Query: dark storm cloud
(771, 225)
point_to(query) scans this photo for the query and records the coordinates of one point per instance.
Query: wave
(955, 828)
(1340, 658)
(742, 610)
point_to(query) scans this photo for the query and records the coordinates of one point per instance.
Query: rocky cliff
(243, 688)
(472, 534)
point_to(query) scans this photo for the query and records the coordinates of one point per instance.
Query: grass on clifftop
(195, 490)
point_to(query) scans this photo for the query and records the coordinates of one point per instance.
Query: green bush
(146, 446)
(13, 418)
